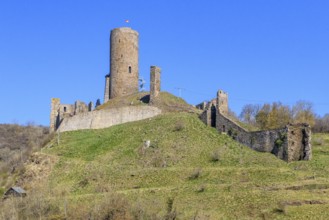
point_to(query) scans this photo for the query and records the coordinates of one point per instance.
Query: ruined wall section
(80, 107)
(222, 102)
(55, 105)
(226, 125)
(123, 62)
(271, 141)
(299, 141)
(291, 143)
(61, 111)
(206, 117)
(155, 85)
(107, 118)
(202, 106)
(107, 88)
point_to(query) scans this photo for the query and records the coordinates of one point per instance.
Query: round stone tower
(123, 62)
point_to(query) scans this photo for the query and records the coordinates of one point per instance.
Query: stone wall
(291, 143)
(155, 85)
(222, 101)
(107, 118)
(206, 117)
(228, 126)
(299, 139)
(61, 111)
(107, 88)
(54, 107)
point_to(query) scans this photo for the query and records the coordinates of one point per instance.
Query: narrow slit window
(64, 109)
(129, 69)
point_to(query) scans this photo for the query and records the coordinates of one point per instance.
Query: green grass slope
(188, 171)
(189, 168)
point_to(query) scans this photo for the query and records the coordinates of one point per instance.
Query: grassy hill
(187, 171)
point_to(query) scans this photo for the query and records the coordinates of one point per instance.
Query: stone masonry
(121, 81)
(61, 111)
(54, 112)
(155, 85)
(107, 88)
(123, 77)
(291, 143)
(222, 102)
(106, 118)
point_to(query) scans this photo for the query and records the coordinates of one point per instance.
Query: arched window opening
(129, 69)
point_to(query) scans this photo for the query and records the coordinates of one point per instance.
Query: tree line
(277, 115)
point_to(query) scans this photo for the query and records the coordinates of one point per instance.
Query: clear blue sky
(256, 50)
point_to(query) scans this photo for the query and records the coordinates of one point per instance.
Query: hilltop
(169, 167)
(165, 101)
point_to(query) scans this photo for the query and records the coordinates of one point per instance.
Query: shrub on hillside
(195, 174)
(179, 126)
(215, 157)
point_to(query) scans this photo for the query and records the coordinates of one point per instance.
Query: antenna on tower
(142, 83)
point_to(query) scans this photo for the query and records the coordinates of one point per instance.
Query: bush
(214, 157)
(201, 189)
(195, 174)
(179, 126)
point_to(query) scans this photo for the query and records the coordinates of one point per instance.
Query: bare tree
(249, 112)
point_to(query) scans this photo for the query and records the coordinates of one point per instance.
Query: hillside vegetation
(169, 167)
(17, 143)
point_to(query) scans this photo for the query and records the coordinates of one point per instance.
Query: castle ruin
(60, 111)
(121, 81)
(291, 143)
